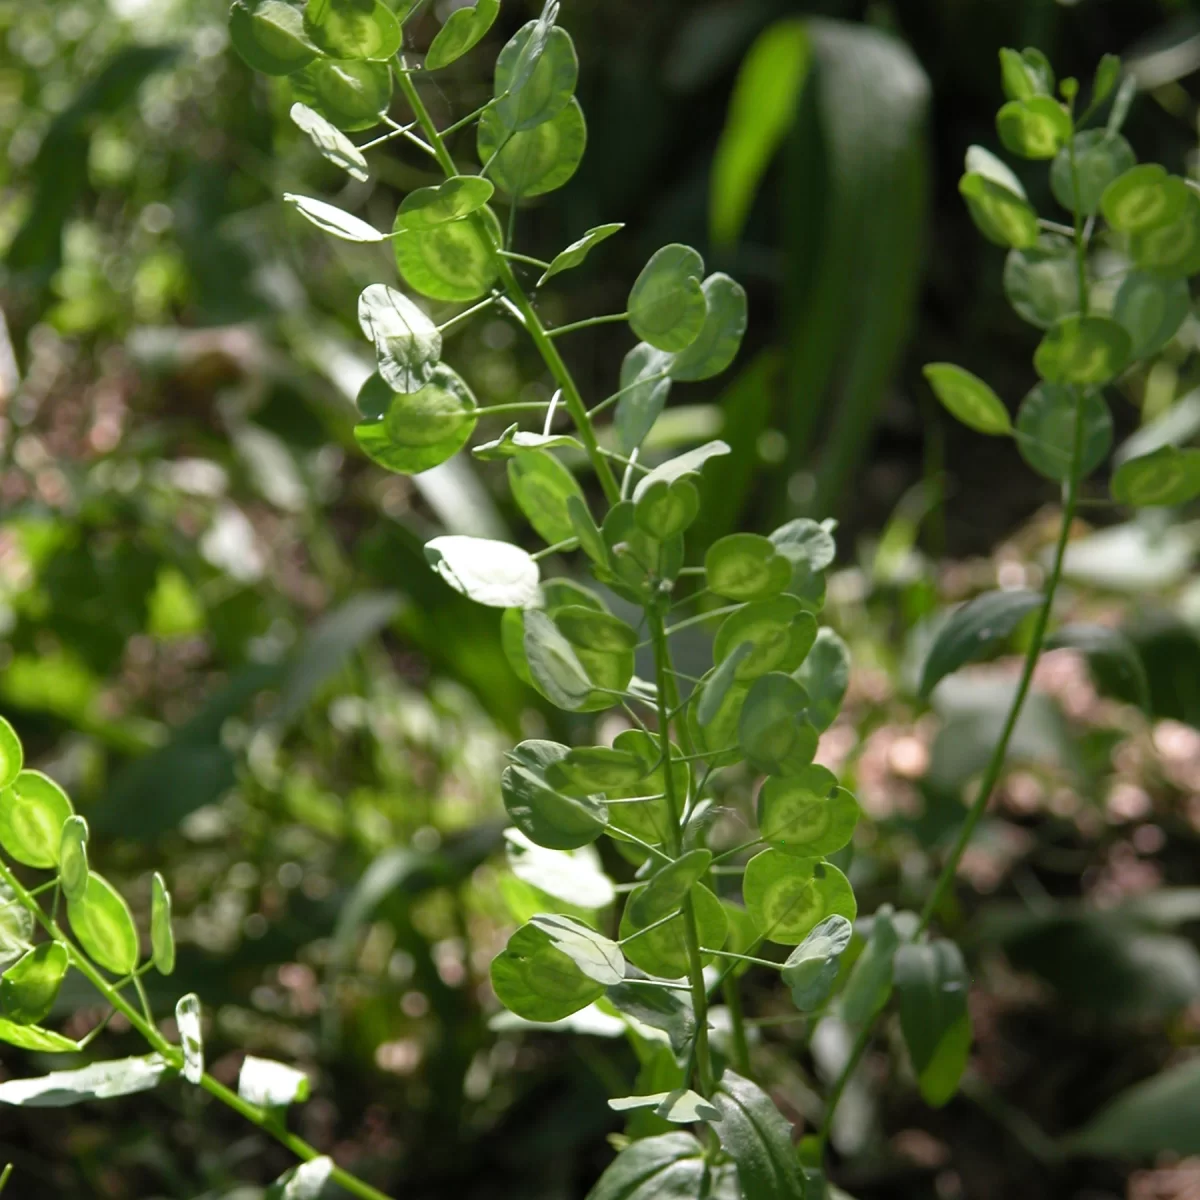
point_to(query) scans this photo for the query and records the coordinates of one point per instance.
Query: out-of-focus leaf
(972, 630)
(100, 1081)
(756, 1135)
(1154, 1117)
(931, 979)
(761, 111)
(1113, 648)
(271, 1084)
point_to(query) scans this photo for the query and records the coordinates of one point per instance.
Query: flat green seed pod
(788, 896)
(591, 769)
(668, 886)
(806, 814)
(1172, 251)
(1166, 476)
(746, 566)
(1034, 128)
(528, 95)
(780, 630)
(1046, 431)
(162, 931)
(428, 207)
(32, 811)
(104, 927)
(463, 30)
(1100, 158)
(537, 981)
(410, 433)
(663, 951)
(350, 94)
(1151, 310)
(450, 261)
(811, 970)
(1041, 282)
(715, 729)
(720, 338)
(646, 819)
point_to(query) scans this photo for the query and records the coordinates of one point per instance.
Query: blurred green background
(218, 630)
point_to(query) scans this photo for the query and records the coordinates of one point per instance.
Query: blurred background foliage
(217, 629)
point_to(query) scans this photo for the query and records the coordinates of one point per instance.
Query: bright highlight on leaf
(968, 398)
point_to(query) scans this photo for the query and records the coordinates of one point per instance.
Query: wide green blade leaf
(1083, 350)
(103, 926)
(578, 250)
(668, 1167)
(972, 630)
(533, 161)
(33, 1037)
(746, 566)
(270, 35)
(1144, 198)
(756, 1135)
(415, 431)
(789, 896)
(811, 970)
(100, 1081)
(774, 731)
(931, 980)
(663, 950)
(536, 74)
(1034, 128)
(30, 986)
(575, 877)
(448, 260)
(463, 30)
(676, 468)
(644, 386)
(669, 886)
(33, 810)
(1041, 282)
(720, 337)
(667, 306)
(1151, 310)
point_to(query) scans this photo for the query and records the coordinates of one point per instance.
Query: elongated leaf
(100, 1081)
(1154, 1117)
(682, 1106)
(1110, 647)
(303, 1182)
(968, 398)
(553, 663)
(755, 1134)
(578, 250)
(668, 1167)
(191, 1036)
(162, 932)
(33, 1037)
(596, 956)
(103, 926)
(72, 857)
(30, 986)
(331, 219)
(514, 440)
(825, 676)
(271, 1084)
(931, 980)
(870, 983)
(464, 29)
(972, 630)
(12, 756)
(658, 1008)
(331, 142)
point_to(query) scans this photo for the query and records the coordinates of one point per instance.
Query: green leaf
(1025, 74)
(745, 566)
(757, 1136)
(968, 398)
(1144, 198)
(979, 160)
(429, 207)
(100, 1081)
(667, 306)
(774, 731)
(788, 896)
(352, 29)
(806, 814)
(413, 432)
(972, 630)
(33, 1037)
(191, 1036)
(1151, 310)
(583, 525)
(1034, 128)
(676, 468)
(464, 29)
(665, 510)
(162, 932)
(407, 343)
(104, 927)
(1040, 281)
(451, 260)
(16, 925)
(1110, 647)
(12, 755)
(781, 632)
(1083, 350)
(811, 970)
(331, 219)
(578, 250)
(761, 111)
(553, 663)
(1100, 158)
(658, 1008)
(588, 769)
(305, 1181)
(1154, 1117)
(595, 955)
(654, 1168)
(931, 981)
(271, 1084)
(1002, 216)
(1106, 77)
(350, 94)
(497, 574)
(870, 982)
(718, 687)
(663, 950)
(668, 887)
(534, 979)
(542, 486)
(575, 877)
(1172, 251)
(72, 857)
(270, 35)
(604, 645)
(332, 144)
(514, 441)
(825, 676)
(810, 548)
(530, 93)
(32, 811)
(30, 986)
(1168, 475)
(647, 819)
(682, 1106)
(720, 338)
(545, 815)
(644, 385)
(1046, 431)
(531, 162)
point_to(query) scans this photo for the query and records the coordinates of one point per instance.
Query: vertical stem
(533, 322)
(665, 681)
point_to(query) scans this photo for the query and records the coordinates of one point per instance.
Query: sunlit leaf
(191, 1036)
(463, 30)
(351, 94)
(664, 510)
(682, 1106)
(663, 950)
(666, 305)
(542, 487)
(535, 76)
(428, 207)
(32, 812)
(103, 926)
(331, 219)
(162, 932)
(305, 1181)
(407, 343)
(1025, 73)
(410, 433)
(331, 142)
(746, 566)
(451, 260)
(1002, 216)
(596, 956)
(531, 162)
(270, 35)
(806, 813)
(1034, 128)
(534, 979)
(574, 877)
(271, 1084)
(578, 250)
(100, 1081)
(787, 896)
(968, 398)
(352, 29)
(489, 572)
(1144, 198)
(72, 857)
(12, 756)
(811, 970)
(1083, 350)
(545, 815)
(30, 986)
(780, 630)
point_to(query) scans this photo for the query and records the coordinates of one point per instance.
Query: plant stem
(666, 685)
(516, 294)
(587, 323)
(268, 1122)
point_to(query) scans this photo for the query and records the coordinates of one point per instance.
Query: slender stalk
(666, 685)
(528, 259)
(587, 323)
(268, 1122)
(516, 294)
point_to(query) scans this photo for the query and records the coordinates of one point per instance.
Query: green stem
(528, 259)
(737, 1019)
(516, 294)
(268, 1122)
(587, 323)
(666, 689)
